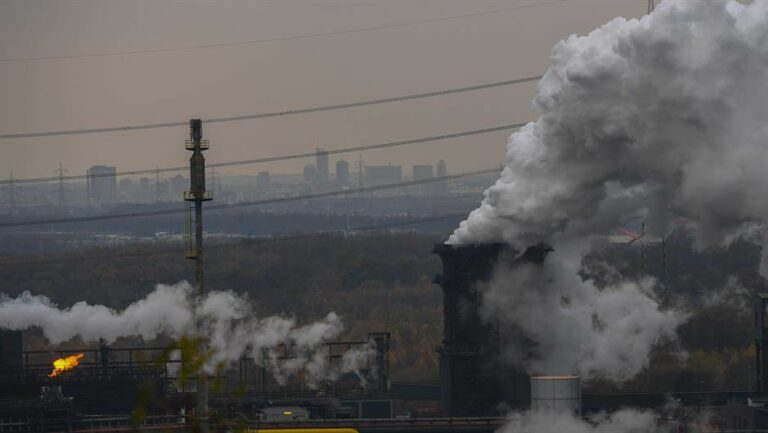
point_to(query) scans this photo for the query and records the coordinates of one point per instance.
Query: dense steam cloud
(557, 323)
(663, 117)
(622, 421)
(228, 321)
(666, 113)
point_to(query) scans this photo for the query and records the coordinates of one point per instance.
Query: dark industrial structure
(761, 344)
(473, 378)
(152, 379)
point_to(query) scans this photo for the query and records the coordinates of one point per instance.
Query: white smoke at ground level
(228, 323)
(622, 421)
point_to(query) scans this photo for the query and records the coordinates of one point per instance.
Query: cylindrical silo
(556, 395)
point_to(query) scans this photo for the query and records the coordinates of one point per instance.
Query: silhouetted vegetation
(383, 282)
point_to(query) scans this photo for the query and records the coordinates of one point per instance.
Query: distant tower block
(321, 164)
(310, 174)
(342, 173)
(423, 173)
(102, 180)
(263, 180)
(441, 187)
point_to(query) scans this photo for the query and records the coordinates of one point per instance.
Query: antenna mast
(60, 173)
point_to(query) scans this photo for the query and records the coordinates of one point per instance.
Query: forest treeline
(383, 282)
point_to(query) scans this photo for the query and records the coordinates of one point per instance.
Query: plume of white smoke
(558, 323)
(622, 421)
(167, 310)
(227, 321)
(662, 116)
(667, 112)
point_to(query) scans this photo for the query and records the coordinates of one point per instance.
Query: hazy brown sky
(95, 92)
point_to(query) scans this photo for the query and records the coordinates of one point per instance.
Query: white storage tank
(556, 395)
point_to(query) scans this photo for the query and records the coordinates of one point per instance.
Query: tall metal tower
(157, 184)
(195, 198)
(88, 201)
(60, 174)
(360, 172)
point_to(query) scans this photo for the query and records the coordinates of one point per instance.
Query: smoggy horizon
(171, 86)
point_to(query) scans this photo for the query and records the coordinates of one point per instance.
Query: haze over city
(171, 86)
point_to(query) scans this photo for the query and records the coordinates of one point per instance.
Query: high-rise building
(145, 192)
(177, 185)
(441, 168)
(102, 181)
(126, 189)
(441, 187)
(342, 173)
(321, 165)
(263, 180)
(310, 174)
(376, 175)
(423, 172)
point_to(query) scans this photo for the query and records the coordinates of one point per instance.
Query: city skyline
(72, 93)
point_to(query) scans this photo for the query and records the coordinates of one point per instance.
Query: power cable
(271, 114)
(273, 158)
(279, 38)
(247, 242)
(274, 200)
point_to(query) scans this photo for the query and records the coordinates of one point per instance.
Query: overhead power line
(270, 114)
(274, 158)
(246, 242)
(274, 200)
(279, 38)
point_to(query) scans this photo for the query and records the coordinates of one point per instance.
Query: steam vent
(474, 379)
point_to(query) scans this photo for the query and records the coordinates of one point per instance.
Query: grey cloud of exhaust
(662, 116)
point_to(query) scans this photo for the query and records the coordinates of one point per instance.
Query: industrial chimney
(474, 380)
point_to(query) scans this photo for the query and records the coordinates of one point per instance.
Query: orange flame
(63, 364)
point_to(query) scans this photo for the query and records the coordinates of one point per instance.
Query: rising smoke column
(555, 322)
(663, 117)
(228, 322)
(666, 113)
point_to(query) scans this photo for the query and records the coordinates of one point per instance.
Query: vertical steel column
(196, 196)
